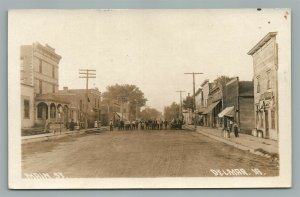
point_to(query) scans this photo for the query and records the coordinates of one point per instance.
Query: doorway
(267, 123)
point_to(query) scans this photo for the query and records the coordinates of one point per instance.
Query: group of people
(231, 126)
(150, 124)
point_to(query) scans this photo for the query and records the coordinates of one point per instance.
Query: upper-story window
(26, 108)
(269, 83)
(53, 71)
(258, 85)
(40, 87)
(22, 63)
(40, 66)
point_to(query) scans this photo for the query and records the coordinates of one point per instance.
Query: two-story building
(265, 65)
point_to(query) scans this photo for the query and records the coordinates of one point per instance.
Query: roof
(263, 41)
(228, 111)
(211, 107)
(51, 97)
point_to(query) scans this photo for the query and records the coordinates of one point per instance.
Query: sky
(149, 48)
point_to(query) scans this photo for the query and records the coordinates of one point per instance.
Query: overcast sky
(149, 48)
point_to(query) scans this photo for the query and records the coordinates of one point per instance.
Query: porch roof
(51, 98)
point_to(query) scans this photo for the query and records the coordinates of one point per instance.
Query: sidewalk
(260, 146)
(57, 134)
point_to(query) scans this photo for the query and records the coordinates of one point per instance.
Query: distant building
(238, 104)
(39, 76)
(206, 88)
(214, 105)
(265, 65)
(78, 108)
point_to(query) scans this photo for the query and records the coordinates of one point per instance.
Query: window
(52, 111)
(40, 87)
(40, 66)
(40, 111)
(95, 102)
(261, 120)
(98, 103)
(53, 71)
(80, 105)
(258, 86)
(269, 85)
(26, 108)
(273, 119)
(22, 63)
(53, 88)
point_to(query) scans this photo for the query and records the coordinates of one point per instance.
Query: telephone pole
(194, 103)
(87, 74)
(180, 91)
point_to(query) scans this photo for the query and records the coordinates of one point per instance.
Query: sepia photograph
(144, 98)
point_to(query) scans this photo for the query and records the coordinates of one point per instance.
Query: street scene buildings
(126, 110)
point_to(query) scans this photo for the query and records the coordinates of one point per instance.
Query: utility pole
(180, 91)
(87, 74)
(194, 103)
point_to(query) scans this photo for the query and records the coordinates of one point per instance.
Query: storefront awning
(228, 111)
(211, 107)
(118, 114)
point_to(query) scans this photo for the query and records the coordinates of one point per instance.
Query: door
(267, 123)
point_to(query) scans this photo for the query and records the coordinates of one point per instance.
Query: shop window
(273, 119)
(26, 108)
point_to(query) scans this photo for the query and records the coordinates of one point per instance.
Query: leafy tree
(150, 113)
(221, 82)
(172, 111)
(188, 103)
(126, 94)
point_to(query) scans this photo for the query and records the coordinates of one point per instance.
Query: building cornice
(262, 42)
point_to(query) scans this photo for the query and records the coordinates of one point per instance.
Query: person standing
(111, 125)
(236, 129)
(166, 124)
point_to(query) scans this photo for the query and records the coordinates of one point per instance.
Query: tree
(221, 82)
(150, 113)
(126, 93)
(188, 103)
(172, 111)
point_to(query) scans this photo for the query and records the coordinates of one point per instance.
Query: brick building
(265, 65)
(77, 102)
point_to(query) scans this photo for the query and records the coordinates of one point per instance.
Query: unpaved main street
(166, 153)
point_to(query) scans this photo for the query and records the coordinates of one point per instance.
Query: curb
(239, 146)
(45, 138)
(57, 136)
